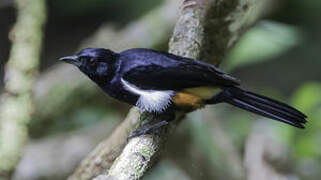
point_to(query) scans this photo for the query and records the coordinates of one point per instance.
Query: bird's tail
(261, 105)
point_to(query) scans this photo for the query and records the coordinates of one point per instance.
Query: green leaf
(262, 42)
(308, 96)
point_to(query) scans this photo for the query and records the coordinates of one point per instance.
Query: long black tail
(261, 105)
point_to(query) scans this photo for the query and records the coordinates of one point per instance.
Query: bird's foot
(151, 129)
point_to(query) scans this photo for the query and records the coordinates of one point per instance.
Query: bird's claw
(152, 129)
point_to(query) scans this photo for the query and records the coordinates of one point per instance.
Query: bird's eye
(92, 62)
(88, 60)
(84, 59)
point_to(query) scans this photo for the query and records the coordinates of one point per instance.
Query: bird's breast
(117, 91)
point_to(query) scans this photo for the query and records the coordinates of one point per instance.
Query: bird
(161, 82)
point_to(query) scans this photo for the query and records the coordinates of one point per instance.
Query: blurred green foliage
(308, 97)
(309, 8)
(266, 42)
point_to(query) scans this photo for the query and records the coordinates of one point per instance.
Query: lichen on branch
(20, 73)
(205, 30)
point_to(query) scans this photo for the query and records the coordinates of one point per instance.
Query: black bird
(159, 81)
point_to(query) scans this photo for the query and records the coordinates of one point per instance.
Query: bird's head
(97, 63)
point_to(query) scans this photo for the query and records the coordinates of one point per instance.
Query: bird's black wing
(163, 71)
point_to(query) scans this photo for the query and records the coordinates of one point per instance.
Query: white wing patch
(150, 100)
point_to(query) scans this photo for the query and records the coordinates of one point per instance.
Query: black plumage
(153, 80)
(150, 69)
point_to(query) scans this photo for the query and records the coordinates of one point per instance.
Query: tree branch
(265, 157)
(107, 151)
(56, 155)
(205, 30)
(163, 18)
(140, 33)
(203, 27)
(21, 69)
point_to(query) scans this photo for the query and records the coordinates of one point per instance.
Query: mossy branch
(164, 18)
(20, 73)
(50, 92)
(205, 30)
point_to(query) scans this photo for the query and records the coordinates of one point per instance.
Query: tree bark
(205, 30)
(52, 95)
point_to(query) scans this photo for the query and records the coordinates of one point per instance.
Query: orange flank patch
(193, 98)
(186, 100)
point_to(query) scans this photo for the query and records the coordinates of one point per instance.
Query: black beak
(71, 60)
